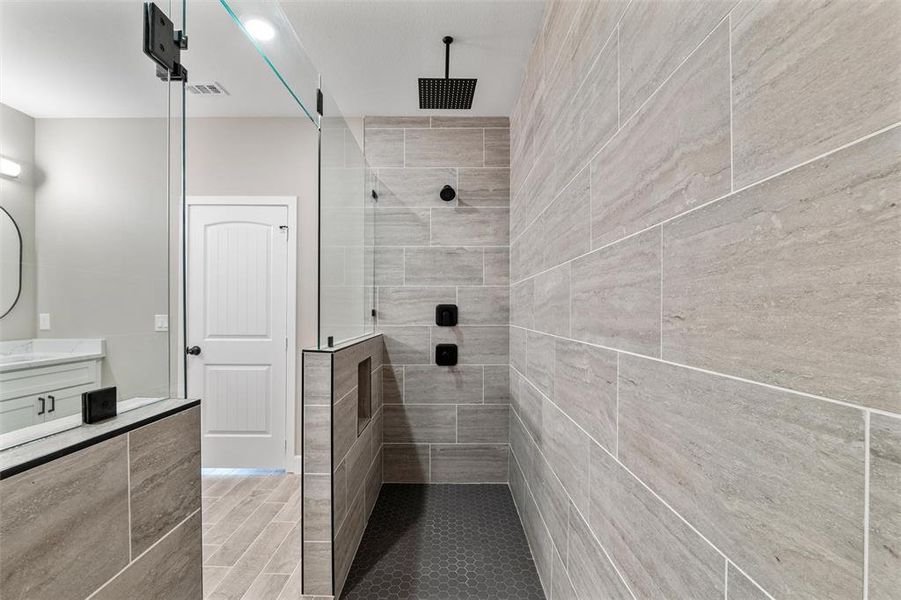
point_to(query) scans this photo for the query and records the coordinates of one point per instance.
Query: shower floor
(443, 542)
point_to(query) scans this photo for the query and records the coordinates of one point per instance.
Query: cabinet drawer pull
(52, 403)
(43, 406)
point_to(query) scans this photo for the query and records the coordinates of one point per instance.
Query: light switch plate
(161, 322)
(44, 321)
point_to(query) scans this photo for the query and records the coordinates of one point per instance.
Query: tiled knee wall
(117, 519)
(443, 424)
(342, 459)
(705, 352)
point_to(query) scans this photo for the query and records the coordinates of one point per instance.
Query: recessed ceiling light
(261, 30)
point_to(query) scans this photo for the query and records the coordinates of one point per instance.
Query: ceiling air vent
(207, 89)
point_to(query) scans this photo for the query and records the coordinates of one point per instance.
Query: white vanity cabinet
(36, 394)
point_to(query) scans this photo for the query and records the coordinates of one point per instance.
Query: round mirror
(10, 262)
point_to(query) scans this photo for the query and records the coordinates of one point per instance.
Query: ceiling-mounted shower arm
(448, 40)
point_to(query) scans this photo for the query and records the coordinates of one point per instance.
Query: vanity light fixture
(262, 31)
(9, 168)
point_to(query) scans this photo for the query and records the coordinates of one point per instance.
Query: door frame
(290, 202)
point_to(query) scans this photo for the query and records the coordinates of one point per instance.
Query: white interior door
(237, 303)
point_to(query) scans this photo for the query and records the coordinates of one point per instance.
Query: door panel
(237, 315)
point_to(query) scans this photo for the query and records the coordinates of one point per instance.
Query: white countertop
(16, 355)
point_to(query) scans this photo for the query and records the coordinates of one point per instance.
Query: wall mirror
(98, 137)
(10, 263)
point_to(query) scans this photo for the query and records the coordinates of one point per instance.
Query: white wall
(17, 197)
(266, 157)
(101, 242)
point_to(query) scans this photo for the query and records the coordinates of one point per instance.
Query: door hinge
(286, 343)
(285, 229)
(163, 44)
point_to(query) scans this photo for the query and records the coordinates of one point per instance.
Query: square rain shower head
(446, 93)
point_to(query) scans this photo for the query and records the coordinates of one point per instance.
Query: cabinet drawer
(44, 380)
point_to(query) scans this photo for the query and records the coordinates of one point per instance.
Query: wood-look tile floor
(251, 535)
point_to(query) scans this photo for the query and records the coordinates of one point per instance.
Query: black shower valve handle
(447, 193)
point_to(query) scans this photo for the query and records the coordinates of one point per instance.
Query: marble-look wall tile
(339, 497)
(359, 459)
(406, 463)
(551, 498)
(566, 448)
(317, 378)
(616, 295)
(469, 463)
(656, 552)
(432, 384)
(528, 405)
(517, 349)
(403, 227)
(885, 507)
(420, 424)
(590, 119)
(540, 362)
(406, 345)
(444, 147)
(164, 476)
(779, 473)
(483, 424)
(497, 147)
(385, 147)
(317, 505)
(795, 282)
(497, 384)
(317, 568)
(794, 97)
(565, 224)
(591, 572)
(485, 305)
(393, 385)
(655, 37)
(497, 266)
(484, 187)
(479, 122)
(594, 27)
(171, 570)
(477, 344)
(388, 266)
(413, 187)
(444, 266)
(412, 305)
(471, 227)
(377, 122)
(740, 587)
(347, 538)
(38, 505)
(552, 302)
(344, 425)
(585, 388)
(674, 154)
(522, 312)
(527, 253)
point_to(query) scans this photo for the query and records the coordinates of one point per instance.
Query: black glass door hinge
(319, 102)
(163, 44)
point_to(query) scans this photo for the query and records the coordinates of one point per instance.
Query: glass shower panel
(346, 232)
(98, 136)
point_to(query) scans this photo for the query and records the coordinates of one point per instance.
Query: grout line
(405, 147)
(866, 507)
(771, 386)
(625, 468)
(720, 198)
(726, 580)
(123, 569)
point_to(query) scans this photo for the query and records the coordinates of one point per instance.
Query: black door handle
(52, 403)
(193, 350)
(43, 406)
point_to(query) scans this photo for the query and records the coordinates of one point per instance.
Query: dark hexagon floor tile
(443, 542)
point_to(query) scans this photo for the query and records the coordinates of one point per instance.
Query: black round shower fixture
(447, 193)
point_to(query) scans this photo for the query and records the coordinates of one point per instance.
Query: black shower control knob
(448, 193)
